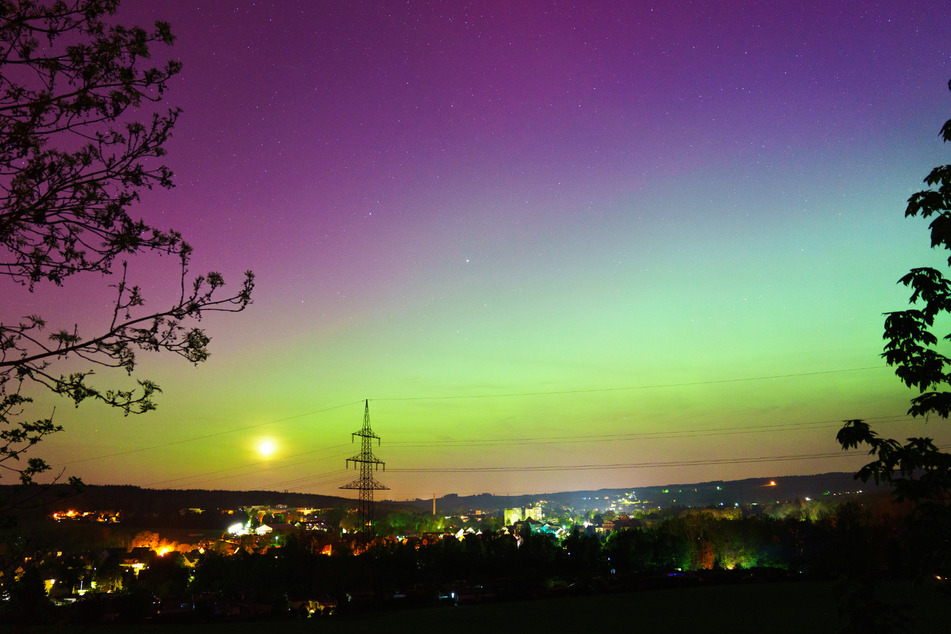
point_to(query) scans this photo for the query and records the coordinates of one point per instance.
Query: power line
(334, 477)
(459, 397)
(506, 441)
(205, 436)
(659, 435)
(330, 478)
(625, 388)
(318, 480)
(270, 467)
(633, 465)
(640, 465)
(500, 442)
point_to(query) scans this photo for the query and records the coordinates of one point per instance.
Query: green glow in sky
(565, 252)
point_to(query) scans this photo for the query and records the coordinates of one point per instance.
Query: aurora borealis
(557, 246)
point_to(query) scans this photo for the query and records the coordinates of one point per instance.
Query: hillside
(144, 505)
(712, 493)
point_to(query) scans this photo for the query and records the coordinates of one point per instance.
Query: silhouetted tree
(73, 159)
(107, 572)
(165, 576)
(583, 553)
(917, 469)
(25, 605)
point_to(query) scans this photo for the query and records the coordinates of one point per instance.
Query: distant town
(196, 554)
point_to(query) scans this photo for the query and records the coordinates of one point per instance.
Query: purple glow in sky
(557, 245)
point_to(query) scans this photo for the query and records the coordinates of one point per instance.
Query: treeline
(145, 506)
(856, 538)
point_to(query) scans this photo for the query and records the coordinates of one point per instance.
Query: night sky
(556, 245)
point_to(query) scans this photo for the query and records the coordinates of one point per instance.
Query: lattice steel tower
(366, 484)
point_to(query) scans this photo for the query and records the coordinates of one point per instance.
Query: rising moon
(266, 448)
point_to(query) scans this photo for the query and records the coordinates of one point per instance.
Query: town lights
(239, 528)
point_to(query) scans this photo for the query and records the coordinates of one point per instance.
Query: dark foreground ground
(766, 607)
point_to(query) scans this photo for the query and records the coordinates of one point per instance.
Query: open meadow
(737, 608)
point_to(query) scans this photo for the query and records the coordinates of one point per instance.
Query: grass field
(774, 608)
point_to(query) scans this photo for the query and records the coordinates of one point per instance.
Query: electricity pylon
(366, 484)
